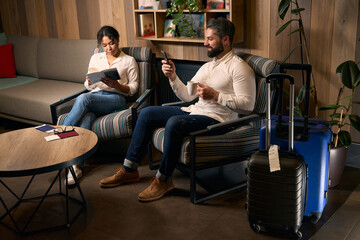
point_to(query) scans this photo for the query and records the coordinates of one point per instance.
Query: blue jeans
(89, 105)
(177, 123)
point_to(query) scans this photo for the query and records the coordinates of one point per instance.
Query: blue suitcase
(315, 151)
(311, 140)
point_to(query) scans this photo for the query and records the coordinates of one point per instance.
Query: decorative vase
(157, 5)
(337, 160)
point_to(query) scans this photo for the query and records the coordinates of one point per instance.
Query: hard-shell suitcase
(312, 141)
(275, 200)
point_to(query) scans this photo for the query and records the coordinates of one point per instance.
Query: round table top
(26, 152)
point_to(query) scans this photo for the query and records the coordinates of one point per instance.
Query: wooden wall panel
(36, 18)
(260, 27)
(10, 17)
(50, 19)
(88, 15)
(279, 45)
(105, 8)
(23, 23)
(119, 20)
(320, 47)
(66, 19)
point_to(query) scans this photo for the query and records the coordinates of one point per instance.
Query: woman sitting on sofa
(107, 95)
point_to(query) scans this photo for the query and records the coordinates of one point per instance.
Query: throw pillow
(7, 62)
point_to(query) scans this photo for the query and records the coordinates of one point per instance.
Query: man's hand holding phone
(168, 67)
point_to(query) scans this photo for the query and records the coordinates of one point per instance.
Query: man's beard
(215, 51)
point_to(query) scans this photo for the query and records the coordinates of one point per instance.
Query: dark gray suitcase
(275, 200)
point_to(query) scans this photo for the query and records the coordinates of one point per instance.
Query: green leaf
(297, 111)
(355, 72)
(346, 76)
(357, 80)
(283, 8)
(282, 28)
(345, 138)
(295, 31)
(287, 56)
(340, 67)
(297, 10)
(334, 122)
(347, 98)
(349, 74)
(336, 115)
(328, 107)
(355, 121)
(301, 95)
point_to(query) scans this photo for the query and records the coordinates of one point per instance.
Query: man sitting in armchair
(225, 86)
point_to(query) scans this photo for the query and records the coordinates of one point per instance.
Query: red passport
(67, 134)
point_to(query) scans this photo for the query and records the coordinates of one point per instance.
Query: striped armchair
(121, 124)
(207, 148)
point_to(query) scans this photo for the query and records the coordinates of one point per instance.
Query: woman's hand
(207, 93)
(168, 69)
(89, 81)
(110, 82)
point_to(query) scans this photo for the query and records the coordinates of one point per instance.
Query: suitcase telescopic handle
(308, 69)
(279, 77)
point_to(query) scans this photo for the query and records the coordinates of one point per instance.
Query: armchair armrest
(58, 107)
(135, 106)
(180, 103)
(228, 126)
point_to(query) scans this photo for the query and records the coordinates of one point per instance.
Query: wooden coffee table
(25, 152)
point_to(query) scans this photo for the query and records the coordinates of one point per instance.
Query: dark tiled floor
(116, 213)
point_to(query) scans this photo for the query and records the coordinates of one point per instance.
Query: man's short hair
(222, 27)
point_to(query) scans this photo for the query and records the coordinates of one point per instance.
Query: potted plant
(340, 117)
(185, 23)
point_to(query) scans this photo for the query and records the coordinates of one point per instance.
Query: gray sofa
(48, 71)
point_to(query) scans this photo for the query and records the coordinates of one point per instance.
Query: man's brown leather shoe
(120, 177)
(156, 190)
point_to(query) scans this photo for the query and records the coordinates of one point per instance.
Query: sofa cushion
(12, 82)
(32, 101)
(7, 63)
(25, 54)
(64, 59)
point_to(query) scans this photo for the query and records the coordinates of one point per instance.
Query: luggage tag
(274, 160)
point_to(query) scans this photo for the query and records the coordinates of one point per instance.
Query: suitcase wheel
(298, 235)
(314, 219)
(255, 227)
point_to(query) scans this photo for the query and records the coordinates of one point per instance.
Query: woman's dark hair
(109, 32)
(222, 27)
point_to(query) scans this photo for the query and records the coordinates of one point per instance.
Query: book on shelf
(146, 25)
(215, 4)
(95, 75)
(169, 23)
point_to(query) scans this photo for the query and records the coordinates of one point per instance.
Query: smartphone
(165, 56)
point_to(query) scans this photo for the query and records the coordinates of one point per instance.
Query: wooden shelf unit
(236, 14)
